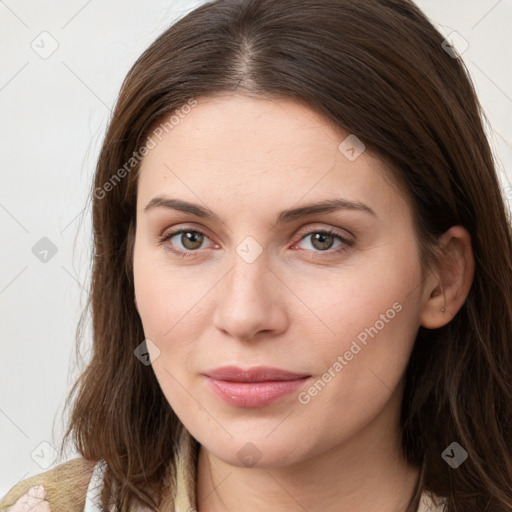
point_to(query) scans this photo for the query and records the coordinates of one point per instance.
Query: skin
(298, 306)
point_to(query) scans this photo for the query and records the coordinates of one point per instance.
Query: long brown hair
(378, 69)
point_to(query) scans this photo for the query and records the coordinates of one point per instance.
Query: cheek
(373, 297)
(167, 297)
(373, 323)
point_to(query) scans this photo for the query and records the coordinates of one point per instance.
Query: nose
(250, 301)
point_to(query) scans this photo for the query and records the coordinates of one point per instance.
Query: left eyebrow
(331, 205)
(284, 216)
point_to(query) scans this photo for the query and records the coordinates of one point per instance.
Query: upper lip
(254, 374)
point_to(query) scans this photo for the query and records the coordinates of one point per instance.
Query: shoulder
(65, 485)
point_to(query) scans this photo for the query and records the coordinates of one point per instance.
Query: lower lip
(254, 394)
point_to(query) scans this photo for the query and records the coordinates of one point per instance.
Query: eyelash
(185, 254)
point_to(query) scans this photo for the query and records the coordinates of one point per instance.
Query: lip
(253, 387)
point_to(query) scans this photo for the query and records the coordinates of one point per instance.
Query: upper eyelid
(337, 231)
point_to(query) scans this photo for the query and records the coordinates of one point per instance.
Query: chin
(256, 450)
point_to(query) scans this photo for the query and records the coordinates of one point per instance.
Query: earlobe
(448, 289)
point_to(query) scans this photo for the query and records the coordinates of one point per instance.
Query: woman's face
(258, 285)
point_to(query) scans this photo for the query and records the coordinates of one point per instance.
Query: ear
(449, 287)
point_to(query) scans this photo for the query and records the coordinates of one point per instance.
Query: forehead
(255, 153)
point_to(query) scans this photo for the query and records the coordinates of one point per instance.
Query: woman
(301, 285)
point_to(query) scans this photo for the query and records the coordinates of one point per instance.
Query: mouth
(253, 387)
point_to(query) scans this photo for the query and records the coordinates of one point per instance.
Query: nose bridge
(247, 303)
(248, 269)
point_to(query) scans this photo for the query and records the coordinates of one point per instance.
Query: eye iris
(191, 237)
(321, 237)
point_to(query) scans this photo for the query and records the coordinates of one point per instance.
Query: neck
(365, 472)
